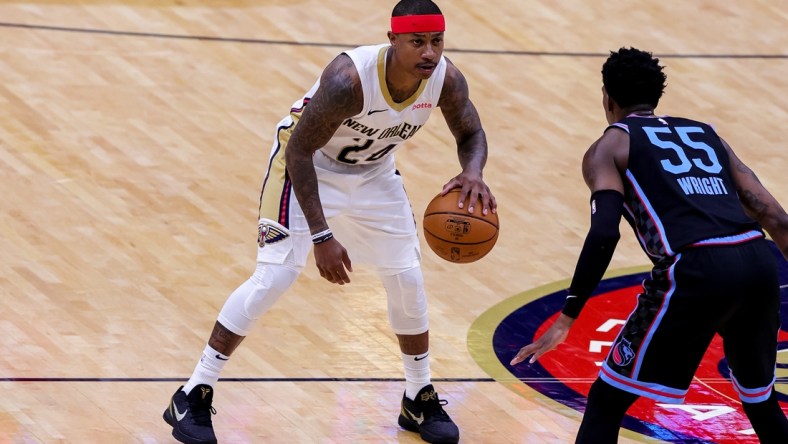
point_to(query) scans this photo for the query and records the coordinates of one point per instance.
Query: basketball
(456, 235)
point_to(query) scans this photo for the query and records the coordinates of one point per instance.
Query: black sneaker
(426, 416)
(190, 416)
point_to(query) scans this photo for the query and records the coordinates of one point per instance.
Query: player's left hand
(554, 335)
(472, 188)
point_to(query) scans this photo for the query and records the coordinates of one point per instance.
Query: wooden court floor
(133, 137)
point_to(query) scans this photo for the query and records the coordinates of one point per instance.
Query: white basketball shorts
(365, 205)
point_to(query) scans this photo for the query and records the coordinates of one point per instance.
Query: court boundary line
(779, 380)
(280, 379)
(353, 45)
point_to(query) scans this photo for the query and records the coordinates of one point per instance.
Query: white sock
(417, 373)
(207, 370)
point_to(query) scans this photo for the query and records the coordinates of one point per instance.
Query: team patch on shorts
(269, 234)
(623, 353)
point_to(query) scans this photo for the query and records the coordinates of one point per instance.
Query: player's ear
(392, 37)
(607, 102)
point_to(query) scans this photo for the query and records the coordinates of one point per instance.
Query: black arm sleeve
(600, 243)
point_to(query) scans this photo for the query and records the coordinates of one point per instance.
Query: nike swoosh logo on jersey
(571, 296)
(373, 111)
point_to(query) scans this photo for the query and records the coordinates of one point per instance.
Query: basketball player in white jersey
(331, 184)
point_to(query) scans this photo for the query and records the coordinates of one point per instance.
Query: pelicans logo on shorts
(269, 234)
(711, 412)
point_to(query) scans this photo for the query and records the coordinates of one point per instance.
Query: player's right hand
(472, 188)
(333, 261)
(554, 335)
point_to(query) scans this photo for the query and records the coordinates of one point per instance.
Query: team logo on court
(269, 234)
(711, 411)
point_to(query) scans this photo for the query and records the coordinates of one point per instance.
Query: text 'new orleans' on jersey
(678, 185)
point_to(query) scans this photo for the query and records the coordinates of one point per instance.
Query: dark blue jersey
(678, 186)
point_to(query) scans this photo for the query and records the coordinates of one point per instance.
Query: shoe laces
(201, 413)
(432, 407)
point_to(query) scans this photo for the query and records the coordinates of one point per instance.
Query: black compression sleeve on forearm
(606, 209)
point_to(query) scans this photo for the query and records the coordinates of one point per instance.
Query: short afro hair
(415, 7)
(633, 77)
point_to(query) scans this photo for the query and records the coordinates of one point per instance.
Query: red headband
(418, 23)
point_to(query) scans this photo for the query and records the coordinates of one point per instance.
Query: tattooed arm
(338, 97)
(465, 125)
(758, 202)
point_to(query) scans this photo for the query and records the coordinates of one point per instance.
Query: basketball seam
(470, 216)
(457, 243)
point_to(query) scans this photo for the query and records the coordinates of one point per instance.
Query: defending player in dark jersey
(698, 213)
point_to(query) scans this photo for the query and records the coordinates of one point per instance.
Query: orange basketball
(456, 235)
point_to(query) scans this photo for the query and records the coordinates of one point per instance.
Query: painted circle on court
(711, 412)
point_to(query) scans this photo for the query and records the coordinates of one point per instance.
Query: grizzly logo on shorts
(622, 354)
(268, 234)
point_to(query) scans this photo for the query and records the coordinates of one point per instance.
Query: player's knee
(255, 296)
(407, 301)
(268, 283)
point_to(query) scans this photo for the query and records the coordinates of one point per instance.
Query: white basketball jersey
(382, 125)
